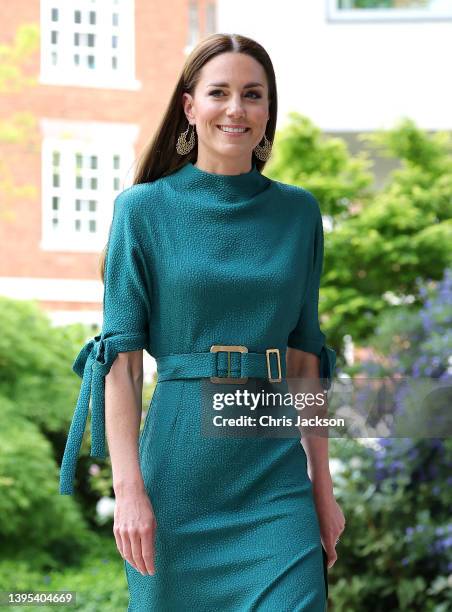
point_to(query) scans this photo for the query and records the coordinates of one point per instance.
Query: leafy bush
(99, 581)
(396, 551)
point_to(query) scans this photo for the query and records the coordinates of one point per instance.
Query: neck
(230, 167)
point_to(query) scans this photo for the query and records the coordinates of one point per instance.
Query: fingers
(118, 539)
(148, 547)
(137, 547)
(332, 557)
(135, 541)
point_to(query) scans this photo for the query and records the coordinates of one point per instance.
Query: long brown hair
(160, 157)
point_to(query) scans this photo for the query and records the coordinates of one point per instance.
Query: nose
(235, 108)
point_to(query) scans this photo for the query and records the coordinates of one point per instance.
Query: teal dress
(197, 259)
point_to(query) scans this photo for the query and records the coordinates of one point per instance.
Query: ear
(187, 103)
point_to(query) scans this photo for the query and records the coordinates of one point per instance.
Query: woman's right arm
(134, 519)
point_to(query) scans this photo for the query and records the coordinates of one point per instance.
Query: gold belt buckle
(229, 348)
(269, 371)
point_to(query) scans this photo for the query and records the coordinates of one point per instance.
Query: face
(232, 91)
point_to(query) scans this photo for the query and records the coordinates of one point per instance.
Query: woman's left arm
(303, 367)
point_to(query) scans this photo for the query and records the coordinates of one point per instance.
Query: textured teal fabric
(196, 259)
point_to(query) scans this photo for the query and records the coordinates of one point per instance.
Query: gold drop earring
(263, 152)
(184, 146)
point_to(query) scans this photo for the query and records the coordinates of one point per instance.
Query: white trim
(58, 64)
(52, 289)
(85, 194)
(61, 318)
(333, 13)
(68, 81)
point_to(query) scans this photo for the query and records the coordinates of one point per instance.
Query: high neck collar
(224, 187)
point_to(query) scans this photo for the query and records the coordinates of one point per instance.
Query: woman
(204, 254)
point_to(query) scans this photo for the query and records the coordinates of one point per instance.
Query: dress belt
(224, 364)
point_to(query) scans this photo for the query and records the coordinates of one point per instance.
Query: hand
(331, 519)
(134, 529)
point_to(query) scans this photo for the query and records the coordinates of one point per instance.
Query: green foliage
(38, 391)
(13, 59)
(33, 514)
(384, 241)
(36, 363)
(20, 127)
(99, 580)
(302, 156)
(396, 550)
(388, 557)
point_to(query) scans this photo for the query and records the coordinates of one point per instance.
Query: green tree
(38, 392)
(21, 127)
(383, 241)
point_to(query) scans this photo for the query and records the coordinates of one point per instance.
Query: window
(193, 26)
(84, 167)
(88, 43)
(211, 25)
(389, 10)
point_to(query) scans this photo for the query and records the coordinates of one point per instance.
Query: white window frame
(211, 18)
(90, 138)
(103, 76)
(395, 14)
(193, 32)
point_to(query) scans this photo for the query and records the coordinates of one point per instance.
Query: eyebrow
(227, 85)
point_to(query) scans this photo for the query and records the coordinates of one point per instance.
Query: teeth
(228, 129)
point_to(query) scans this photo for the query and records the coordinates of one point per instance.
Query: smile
(229, 130)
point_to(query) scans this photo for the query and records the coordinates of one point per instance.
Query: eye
(253, 93)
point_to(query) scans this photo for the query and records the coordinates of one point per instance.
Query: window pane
(428, 5)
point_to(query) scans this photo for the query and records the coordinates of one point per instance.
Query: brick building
(104, 72)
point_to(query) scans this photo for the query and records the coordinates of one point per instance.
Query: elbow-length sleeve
(307, 335)
(125, 328)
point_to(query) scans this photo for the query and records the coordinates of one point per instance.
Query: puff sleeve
(307, 335)
(125, 328)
